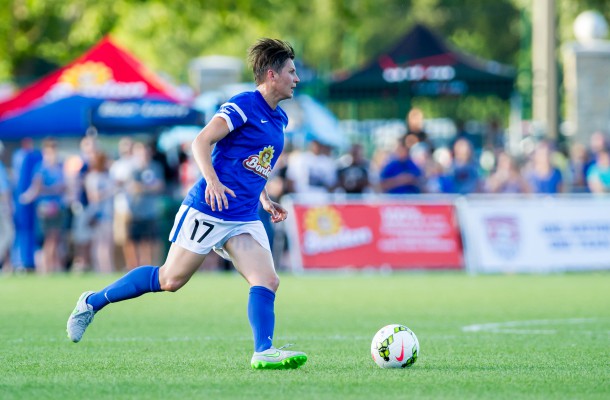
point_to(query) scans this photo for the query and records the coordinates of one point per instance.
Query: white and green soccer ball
(395, 346)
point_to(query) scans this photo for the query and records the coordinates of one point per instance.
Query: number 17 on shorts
(200, 233)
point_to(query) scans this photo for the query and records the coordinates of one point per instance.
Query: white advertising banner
(537, 234)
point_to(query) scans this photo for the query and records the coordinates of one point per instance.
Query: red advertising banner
(391, 234)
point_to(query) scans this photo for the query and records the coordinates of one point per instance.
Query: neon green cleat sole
(273, 358)
(287, 363)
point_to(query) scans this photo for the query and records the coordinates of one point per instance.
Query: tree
(36, 35)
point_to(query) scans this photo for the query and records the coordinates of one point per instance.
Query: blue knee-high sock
(133, 284)
(261, 316)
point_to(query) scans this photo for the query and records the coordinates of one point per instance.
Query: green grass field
(486, 337)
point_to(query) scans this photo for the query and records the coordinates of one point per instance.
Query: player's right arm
(215, 191)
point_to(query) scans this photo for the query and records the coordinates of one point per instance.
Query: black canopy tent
(422, 64)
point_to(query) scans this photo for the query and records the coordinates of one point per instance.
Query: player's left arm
(278, 213)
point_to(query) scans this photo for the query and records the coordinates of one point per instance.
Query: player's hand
(278, 213)
(216, 195)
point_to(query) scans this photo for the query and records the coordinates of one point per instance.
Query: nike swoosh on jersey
(402, 353)
(264, 121)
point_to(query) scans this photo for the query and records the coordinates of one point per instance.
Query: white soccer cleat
(80, 318)
(278, 359)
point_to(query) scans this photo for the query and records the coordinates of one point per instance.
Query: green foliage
(41, 35)
(467, 108)
(197, 343)
(37, 36)
(327, 34)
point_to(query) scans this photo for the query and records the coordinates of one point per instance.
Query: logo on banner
(94, 79)
(325, 232)
(86, 75)
(148, 109)
(419, 72)
(503, 235)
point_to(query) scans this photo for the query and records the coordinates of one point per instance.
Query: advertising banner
(390, 234)
(541, 234)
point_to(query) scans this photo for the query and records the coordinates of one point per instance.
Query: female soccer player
(248, 132)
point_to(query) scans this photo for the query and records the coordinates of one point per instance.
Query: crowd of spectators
(468, 165)
(94, 211)
(73, 212)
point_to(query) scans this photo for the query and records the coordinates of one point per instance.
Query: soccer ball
(395, 346)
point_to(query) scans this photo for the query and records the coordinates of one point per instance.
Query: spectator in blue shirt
(47, 190)
(24, 162)
(543, 176)
(401, 175)
(598, 177)
(465, 170)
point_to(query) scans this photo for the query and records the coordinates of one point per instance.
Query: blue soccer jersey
(244, 158)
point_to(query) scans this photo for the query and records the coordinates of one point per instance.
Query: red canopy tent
(106, 88)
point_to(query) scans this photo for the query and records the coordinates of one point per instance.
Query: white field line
(514, 327)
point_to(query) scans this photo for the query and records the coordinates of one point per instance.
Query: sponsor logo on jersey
(260, 163)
